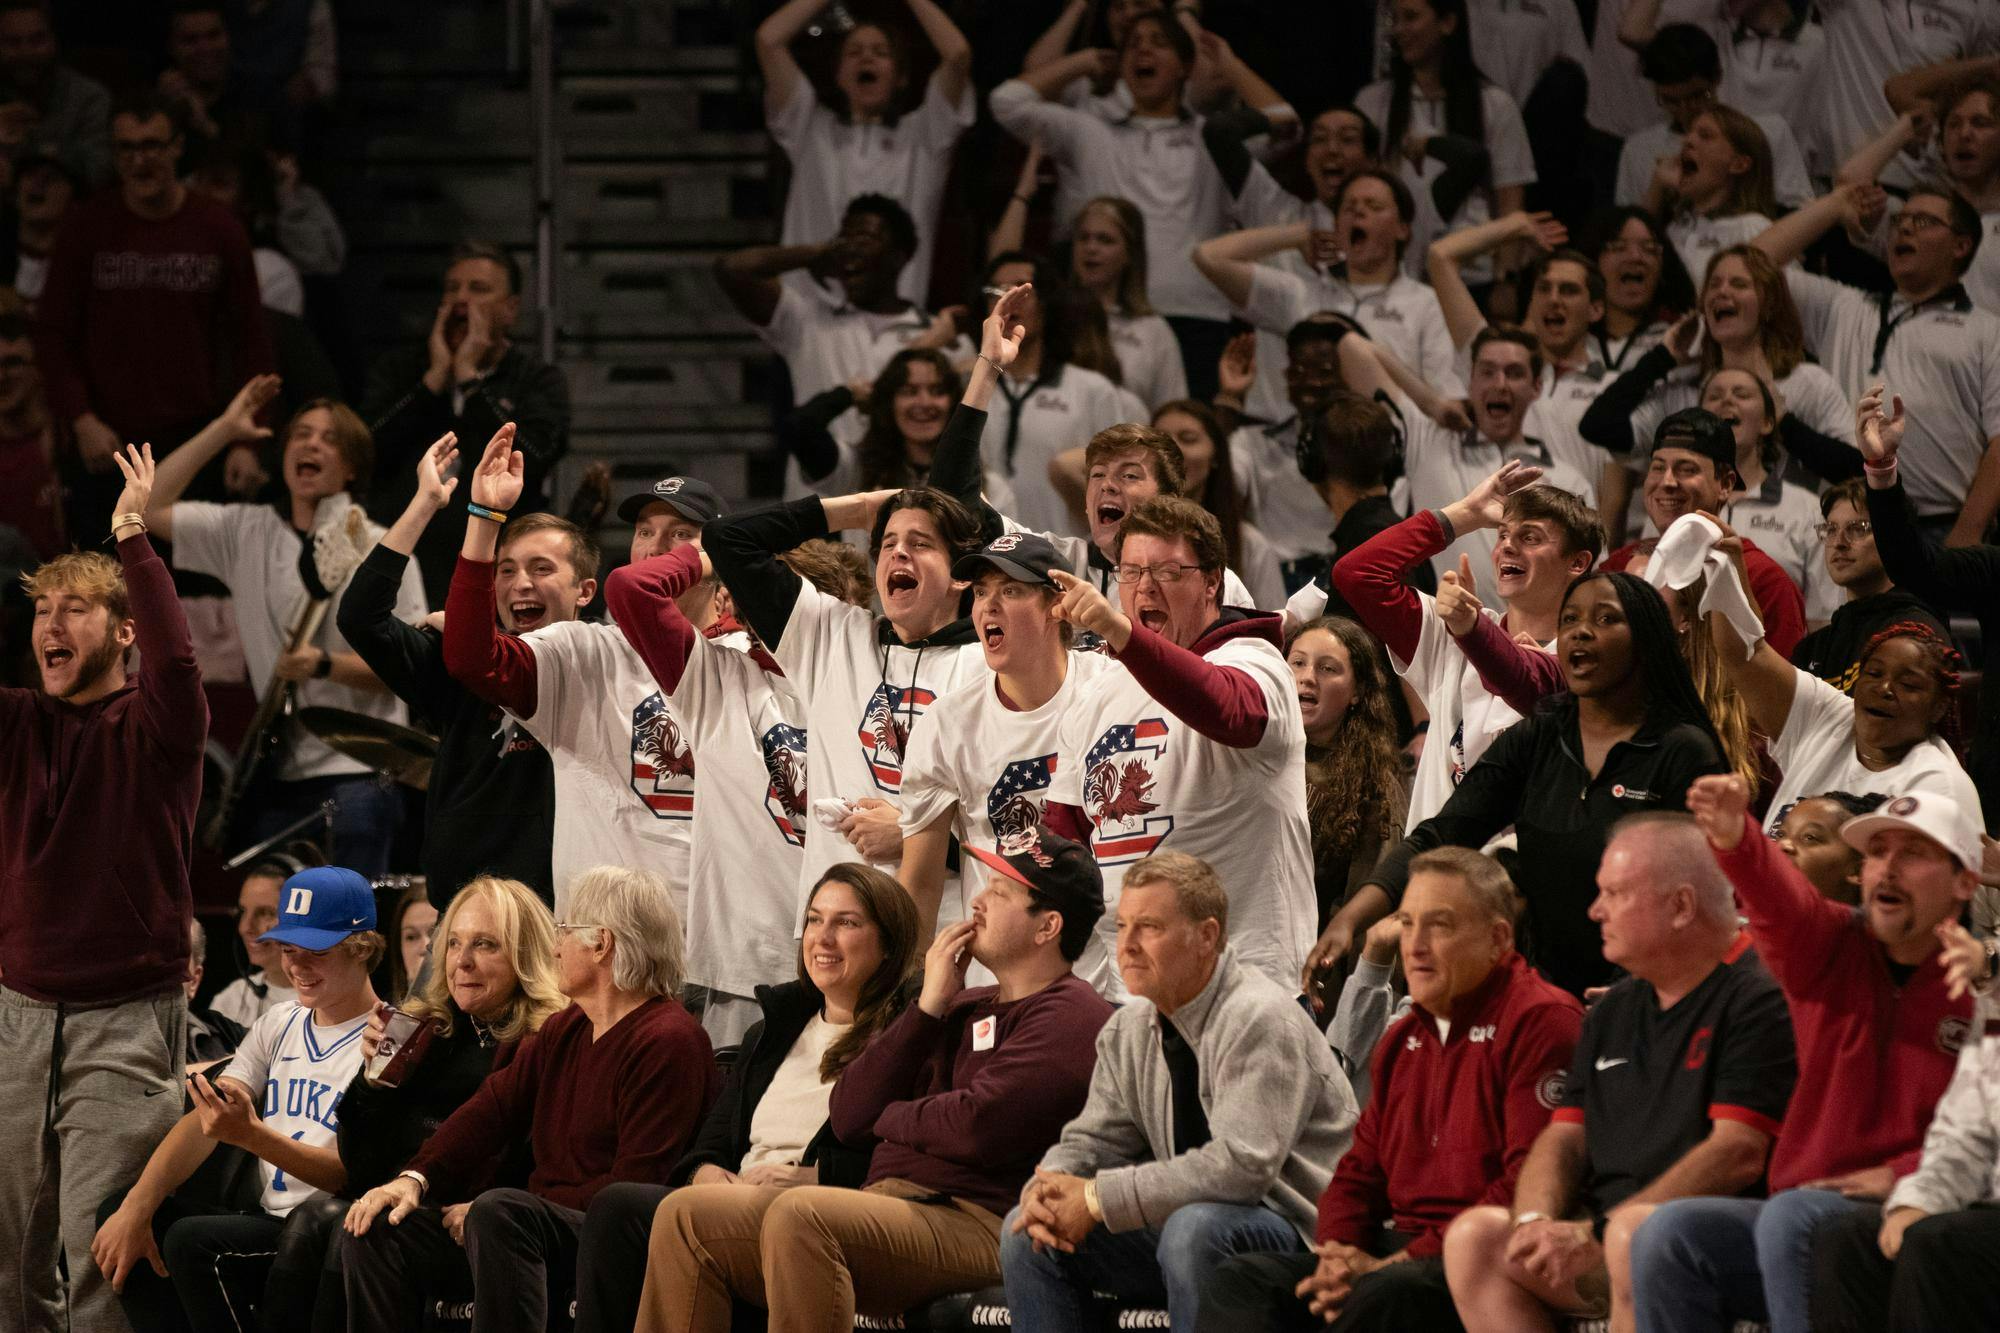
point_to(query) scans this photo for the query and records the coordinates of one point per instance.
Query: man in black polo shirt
(492, 787)
(1679, 1084)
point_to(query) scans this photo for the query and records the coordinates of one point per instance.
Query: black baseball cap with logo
(1023, 556)
(1699, 431)
(690, 497)
(1062, 873)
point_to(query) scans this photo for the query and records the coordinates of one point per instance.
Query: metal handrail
(547, 202)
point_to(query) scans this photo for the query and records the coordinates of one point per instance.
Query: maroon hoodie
(97, 805)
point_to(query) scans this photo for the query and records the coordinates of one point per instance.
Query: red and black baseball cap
(1060, 873)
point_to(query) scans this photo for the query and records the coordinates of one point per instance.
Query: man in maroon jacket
(99, 777)
(150, 316)
(1462, 1085)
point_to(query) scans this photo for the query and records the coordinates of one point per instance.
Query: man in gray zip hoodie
(1216, 1117)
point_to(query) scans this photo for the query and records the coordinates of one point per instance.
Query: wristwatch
(423, 1185)
(1092, 1201)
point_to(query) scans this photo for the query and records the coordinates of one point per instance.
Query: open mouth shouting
(527, 614)
(1689, 167)
(1496, 411)
(1509, 574)
(1629, 280)
(1579, 663)
(900, 584)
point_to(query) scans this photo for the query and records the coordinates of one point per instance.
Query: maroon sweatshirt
(623, 1107)
(97, 808)
(1449, 1122)
(151, 325)
(963, 1115)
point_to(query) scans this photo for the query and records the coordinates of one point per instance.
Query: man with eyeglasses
(1195, 745)
(1847, 548)
(151, 304)
(1924, 339)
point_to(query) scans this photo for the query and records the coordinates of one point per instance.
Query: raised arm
(1922, 83)
(641, 599)
(1640, 24)
(782, 76)
(1051, 45)
(1230, 260)
(749, 277)
(1048, 81)
(1867, 161)
(1766, 681)
(236, 425)
(1607, 422)
(1449, 253)
(954, 53)
(497, 667)
(1787, 238)
(173, 706)
(406, 659)
(1958, 579)
(1248, 85)
(1011, 231)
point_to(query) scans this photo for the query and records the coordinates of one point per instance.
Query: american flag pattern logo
(1014, 804)
(1118, 796)
(785, 799)
(884, 730)
(662, 763)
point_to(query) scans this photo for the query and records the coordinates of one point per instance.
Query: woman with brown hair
(1210, 482)
(1719, 192)
(905, 410)
(768, 1127)
(1356, 795)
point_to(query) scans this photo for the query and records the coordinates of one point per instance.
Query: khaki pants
(812, 1255)
(88, 1095)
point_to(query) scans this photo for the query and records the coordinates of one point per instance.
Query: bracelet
(1092, 1201)
(481, 511)
(1882, 468)
(128, 521)
(981, 356)
(1528, 1217)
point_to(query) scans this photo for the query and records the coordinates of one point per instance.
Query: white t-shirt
(255, 550)
(1816, 752)
(1869, 40)
(1790, 180)
(1698, 239)
(749, 833)
(240, 1003)
(1149, 358)
(833, 160)
(789, 1115)
(1060, 414)
(299, 1070)
(1148, 782)
(988, 765)
(625, 773)
(864, 700)
(1506, 144)
(1943, 360)
(1159, 164)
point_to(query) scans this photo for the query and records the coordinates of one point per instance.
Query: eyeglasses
(1169, 571)
(1852, 532)
(1919, 222)
(565, 927)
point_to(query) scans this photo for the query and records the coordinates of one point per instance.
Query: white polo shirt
(1982, 280)
(1621, 101)
(1513, 163)
(1402, 315)
(826, 345)
(1790, 180)
(1149, 358)
(1275, 494)
(1942, 357)
(1148, 782)
(1781, 517)
(1043, 420)
(1869, 40)
(1774, 76)
(1517, 41)
(1160, 164)
(255, 550)
(1698, 238)
(833, 160)
(1554, 417)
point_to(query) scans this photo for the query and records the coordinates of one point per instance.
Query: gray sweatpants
(88, 1094)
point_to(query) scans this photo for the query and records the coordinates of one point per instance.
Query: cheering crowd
(1315, 756)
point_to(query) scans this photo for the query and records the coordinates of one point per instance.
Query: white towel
(1686, 552)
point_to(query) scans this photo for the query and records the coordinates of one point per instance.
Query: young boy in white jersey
(1192, 743)
(981, 768)
(746, 721)
(185, 1263)
(625, 773)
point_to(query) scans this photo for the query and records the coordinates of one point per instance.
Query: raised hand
(1879, 433)
(243, 473)
(497, 481)
(1485, 505)
(1718, 803)
(137, 465)
(1083, 606)
(1000, 334)
(1684, 338)
(944, 967)
(434, 479)
(239, 419)
(1237, 371)
(1458, 604)
(1543, 229)
(1964, 959)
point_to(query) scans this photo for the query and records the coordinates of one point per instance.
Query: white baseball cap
(1939, 818)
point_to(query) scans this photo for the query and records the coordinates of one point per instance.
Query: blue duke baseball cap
(320, 907)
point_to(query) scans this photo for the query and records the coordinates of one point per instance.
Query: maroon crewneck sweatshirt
(97, 805)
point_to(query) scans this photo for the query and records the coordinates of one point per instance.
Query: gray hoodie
(1280, 1112)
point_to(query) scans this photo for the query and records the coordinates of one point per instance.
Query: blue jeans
(368, 811)
(1050, 1292)
(1698, 1264)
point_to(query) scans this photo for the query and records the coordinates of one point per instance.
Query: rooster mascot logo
(662, 763)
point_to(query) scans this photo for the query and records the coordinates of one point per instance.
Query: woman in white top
(1200, 436)
(1892, 736)
(1781, 516)
(1646, 287)
(870, 141)
(1719, 191)
(1435, 88)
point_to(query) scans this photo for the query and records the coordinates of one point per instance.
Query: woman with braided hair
(1896, 735)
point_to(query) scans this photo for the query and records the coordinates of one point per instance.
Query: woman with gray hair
(610, 1089)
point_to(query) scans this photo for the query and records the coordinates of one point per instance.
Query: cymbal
(393, 751)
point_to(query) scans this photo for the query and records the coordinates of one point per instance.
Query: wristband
(1519, 1222)
(423, 1185)
(1092, 1201)
(1882, 468)
(128, 521)
(481, 511)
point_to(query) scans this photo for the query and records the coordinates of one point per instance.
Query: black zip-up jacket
(381, 1129)
(1533, 777)
(1958, 579)
(407, 417)
(492, 795)
(725, 1134)
(1833, 651)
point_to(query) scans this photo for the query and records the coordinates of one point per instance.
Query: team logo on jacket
(1118, 796)
(662, 763)
(885, 729)
(785, 799)
(1014, 805)
(1951, 1034)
